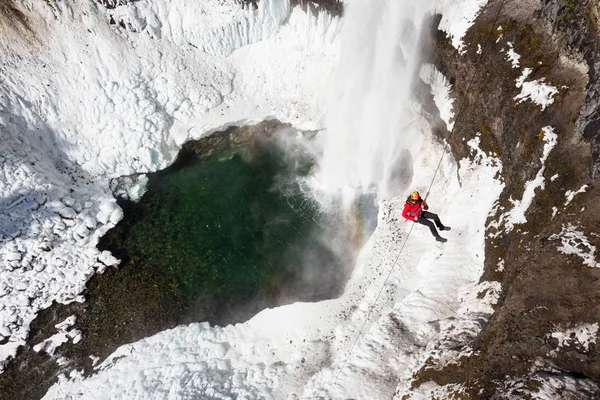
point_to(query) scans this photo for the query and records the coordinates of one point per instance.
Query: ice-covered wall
(83, 100)
(367, 343)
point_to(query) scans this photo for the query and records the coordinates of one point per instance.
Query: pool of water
(235, 229)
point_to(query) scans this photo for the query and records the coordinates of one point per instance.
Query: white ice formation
(85, 100)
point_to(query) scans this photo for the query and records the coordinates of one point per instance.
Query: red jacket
(412, 210)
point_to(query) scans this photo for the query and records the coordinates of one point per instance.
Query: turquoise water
(235, 227)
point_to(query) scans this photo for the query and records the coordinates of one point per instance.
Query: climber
(415, 210)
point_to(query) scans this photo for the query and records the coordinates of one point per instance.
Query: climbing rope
(445, 149)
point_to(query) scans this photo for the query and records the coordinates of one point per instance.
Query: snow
(50, 345)
(512, 55)
(537, 91)
(441, 90)
(570, 195)
(517, 214)
(552, 386)
(215, 28)
(123, 105)
(581, 335)
(457, 18)
(500, 267)
(574, 241)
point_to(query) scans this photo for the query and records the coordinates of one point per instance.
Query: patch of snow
(500, 267)
(441, 90)
(552, 387)
(581, 335)
(50, 345)
(9, 350)
(570, 195)
(479, 49)
(457, 18)
(554, 177)
(512, 55)
(67, 323)
(524, 75)
(517, 214)
(554, 211)
(95, 360)
(574, 241)
(537, 91)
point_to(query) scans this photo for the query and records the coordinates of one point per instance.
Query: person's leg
(430, 215)
(428, 223)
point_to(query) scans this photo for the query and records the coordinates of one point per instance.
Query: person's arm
(406, 214)
(422, 206)
(425, 206)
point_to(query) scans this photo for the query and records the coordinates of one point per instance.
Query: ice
(67, 323)
(440, 89)
(123, 105)
(50, 345)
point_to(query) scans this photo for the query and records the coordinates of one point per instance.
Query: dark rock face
(544, 290)
(577, 25)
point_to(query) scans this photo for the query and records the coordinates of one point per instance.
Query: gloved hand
(417, 217)
(425, 206)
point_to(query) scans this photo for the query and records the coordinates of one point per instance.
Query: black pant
(424, 219)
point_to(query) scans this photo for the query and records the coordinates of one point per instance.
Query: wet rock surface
(544, 290)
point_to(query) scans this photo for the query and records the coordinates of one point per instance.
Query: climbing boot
(444, 228)
(441, 239)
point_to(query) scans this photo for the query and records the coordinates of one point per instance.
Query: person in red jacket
(415, 209)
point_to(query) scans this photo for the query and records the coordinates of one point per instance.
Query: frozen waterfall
(370, 141)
